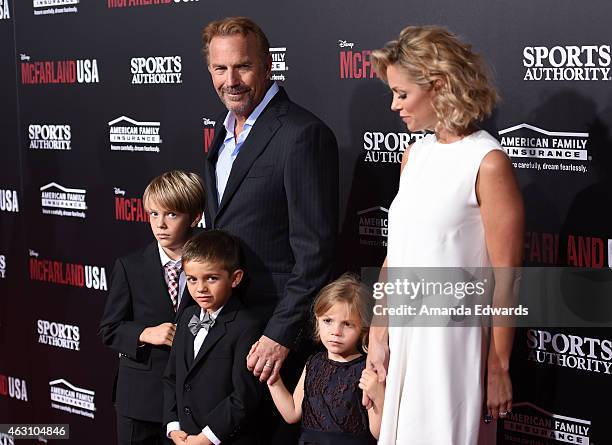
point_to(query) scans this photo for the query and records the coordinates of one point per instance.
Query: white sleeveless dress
(434, 393)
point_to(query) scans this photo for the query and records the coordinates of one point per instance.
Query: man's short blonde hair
(177, 191)
(236, 25)
(432, 57)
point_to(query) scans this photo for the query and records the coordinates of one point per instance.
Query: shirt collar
(165, 259)
(230, 119)
(213, 315)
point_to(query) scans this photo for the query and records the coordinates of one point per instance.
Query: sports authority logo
(355, 64)
(129, 135)
(279, 63)
(387, 147)
(129, 209)
(578, 250)
(62, 201)
(67, 397)
(69, 274)
(5, 12)
(9, 201)
(50, 137)
(2, 266)
(60, 335)
(588, 62)
(13, 387)
(208, 133)
(65, 72)
(373, 226)
(156, 70)
(528, 421)
(570, 351)
(45, 7)
(526, 141)
(133, 3)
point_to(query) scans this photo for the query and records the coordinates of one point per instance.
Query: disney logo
(24, 57)
(118, 191)
(345, 44)
(33, 253)
(208, 121)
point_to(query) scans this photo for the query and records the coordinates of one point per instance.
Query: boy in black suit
(145, 299)
(210, 397)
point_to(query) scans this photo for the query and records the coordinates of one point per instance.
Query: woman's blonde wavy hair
(434, 58)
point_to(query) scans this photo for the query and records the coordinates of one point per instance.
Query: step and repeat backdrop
(100, 96)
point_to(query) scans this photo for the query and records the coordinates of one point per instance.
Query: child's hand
(178, 437)
(370, 385)
(162, 334)
(200, 439)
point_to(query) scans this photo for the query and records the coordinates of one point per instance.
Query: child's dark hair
(213, 246)
(350, 290)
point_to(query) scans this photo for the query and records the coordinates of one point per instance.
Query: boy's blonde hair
(350, 290)
(178, 191)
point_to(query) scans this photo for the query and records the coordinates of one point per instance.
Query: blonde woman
(458, 205)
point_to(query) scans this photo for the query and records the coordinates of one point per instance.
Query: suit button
(187, 387)
(187, 410)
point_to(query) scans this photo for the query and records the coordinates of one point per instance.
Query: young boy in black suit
(210, 397)
(145, 299)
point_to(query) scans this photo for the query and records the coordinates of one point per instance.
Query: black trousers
(140, 432)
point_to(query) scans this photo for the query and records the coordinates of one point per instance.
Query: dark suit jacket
(138, 298)
(281, 201)
(215, 389)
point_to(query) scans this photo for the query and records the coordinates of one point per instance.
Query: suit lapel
(216, 333)
(154, 277)
(189, 337)
(184, 304)
(266, 125)
(211, 162)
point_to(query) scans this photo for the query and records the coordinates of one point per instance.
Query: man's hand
(162, 334)
(266, 358)
(199, 439)
(378, 362)
(178, 437)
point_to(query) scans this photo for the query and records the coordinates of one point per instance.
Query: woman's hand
(499, 392)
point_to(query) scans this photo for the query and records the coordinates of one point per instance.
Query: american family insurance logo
(5, 11)
(9, 201)
(63, 201)
(528, 423)
(130, 209)
(127, 134)
(13, 387)
(355, 63)
(570, 63)
(384, 148)
(72, 399)
(59, 72)
(208, 133)
(136, 3)
(279, 63)
(373, 224)
(156, 70)
(544, 150)
(50, 137)
(59, 335)
(47, 7)
(68, 274)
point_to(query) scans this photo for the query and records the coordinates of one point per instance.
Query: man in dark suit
(272, 180)
(143, 305)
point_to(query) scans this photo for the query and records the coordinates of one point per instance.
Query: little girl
(327, 398)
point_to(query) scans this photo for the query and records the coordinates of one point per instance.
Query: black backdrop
(68, 72)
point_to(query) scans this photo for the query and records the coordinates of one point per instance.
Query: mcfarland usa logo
(129, 209)
(579, 250)
(13, 387)
(373, 226)
(129, 135)
(354, 63)
(50, 137)
(46, 7)
(69, 274)
(387, 147)
(62, 201)
(208, 133)
(538, 149)
(134, 3)
(156, 70)
(60, 335)
(5, 11)
(9, 201)
(570, 351)
(67, 397)
(67, 72)
(279, 63)
(528, 423)
(587, 62)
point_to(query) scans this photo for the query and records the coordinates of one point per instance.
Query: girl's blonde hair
(434, 58)
(350, 290)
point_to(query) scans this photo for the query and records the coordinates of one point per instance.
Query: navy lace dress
(332, 413)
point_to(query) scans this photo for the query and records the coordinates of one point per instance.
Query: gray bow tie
(195, 324)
